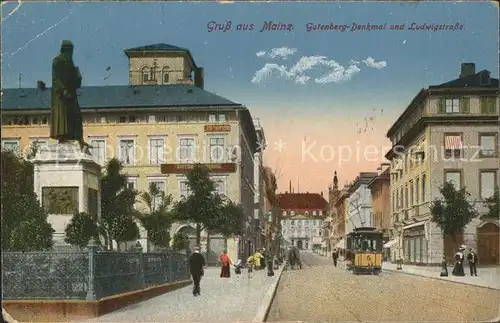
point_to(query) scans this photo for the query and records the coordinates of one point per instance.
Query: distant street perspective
(321, 292)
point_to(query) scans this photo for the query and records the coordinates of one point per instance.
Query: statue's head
(67, 47)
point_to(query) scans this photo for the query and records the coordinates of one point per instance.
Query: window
(156, 151)
(284, 213)
(132, 183)
(127, 151)
(314, 213)
(320, 212)
(411, 194)
(160, 185)
(423, 187)
(184, 189)
(145, 74)
(217, 117)
(488, 105)
(166, 76)
(39, 143)
(487, 182)
(454, 178)
(216, 150)
(406, 196)
(127, 119)
(452, 146)
(186, 149)
(220, 186)
(401, 196)
(151, 118)
(487, 144)
(452, 105)
(417, 188)
(11, 145)
(98, 150)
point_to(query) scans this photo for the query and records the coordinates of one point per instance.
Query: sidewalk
(234, 299)
(488, 277)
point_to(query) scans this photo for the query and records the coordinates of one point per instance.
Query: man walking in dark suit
(472, 260)
(335, 255)
(196, 265)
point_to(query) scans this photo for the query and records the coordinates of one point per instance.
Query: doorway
(299, 244)
(488, 241)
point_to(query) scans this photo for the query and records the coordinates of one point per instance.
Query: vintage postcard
(250, 161)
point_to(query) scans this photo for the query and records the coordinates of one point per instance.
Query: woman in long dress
(225, 271)
(458, 269)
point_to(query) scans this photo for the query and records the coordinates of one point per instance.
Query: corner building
(158, 126)
(448, 133)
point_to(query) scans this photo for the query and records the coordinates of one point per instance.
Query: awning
(340, 244)
(390, 243)
(453, 142)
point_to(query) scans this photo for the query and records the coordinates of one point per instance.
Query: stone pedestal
(67, 180)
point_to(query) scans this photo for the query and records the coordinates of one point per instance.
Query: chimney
(290, 186)
(40, 85)
(467, 69)
(198, 78)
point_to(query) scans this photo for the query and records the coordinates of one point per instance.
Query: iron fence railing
(87, 274)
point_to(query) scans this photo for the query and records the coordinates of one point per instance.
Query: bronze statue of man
(66, 118)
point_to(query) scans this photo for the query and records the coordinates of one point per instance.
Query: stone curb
(438, 278)
(267, 300)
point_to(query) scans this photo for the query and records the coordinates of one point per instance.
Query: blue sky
(32, 35)
(101, 31)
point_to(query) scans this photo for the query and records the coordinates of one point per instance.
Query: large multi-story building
(381, 201)
(360, 202)
(302, 218)
(158, 126)
(448, 133)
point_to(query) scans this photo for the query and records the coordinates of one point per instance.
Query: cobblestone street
(321, 292)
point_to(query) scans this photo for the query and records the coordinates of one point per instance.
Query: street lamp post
(270, 271)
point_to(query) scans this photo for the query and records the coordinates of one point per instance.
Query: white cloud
(281, 52)
(370, 62)
(302, 79)
(331, 71)
(268, 70)
(339, 74)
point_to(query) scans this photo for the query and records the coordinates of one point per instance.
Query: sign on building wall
(217, 128)
(184, 168)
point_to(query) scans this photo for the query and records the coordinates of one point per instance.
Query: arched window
(146, 74)
(165, 75)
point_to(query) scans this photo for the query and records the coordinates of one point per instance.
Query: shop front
(415, 244)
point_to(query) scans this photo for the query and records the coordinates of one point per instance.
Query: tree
(180, 241)
(453, 212)
(227, 220)
(493, 205)
(24, 221)
(80, 229)
(157, 220)
(203, 206)
(117, 206)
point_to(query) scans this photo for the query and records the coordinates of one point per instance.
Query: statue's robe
(66, 118)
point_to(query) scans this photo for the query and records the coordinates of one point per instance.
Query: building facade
(381, 200)
(301, 219)
(360, 202)
(158, 126)
(448, 133)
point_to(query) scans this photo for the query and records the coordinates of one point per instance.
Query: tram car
(363, 252)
